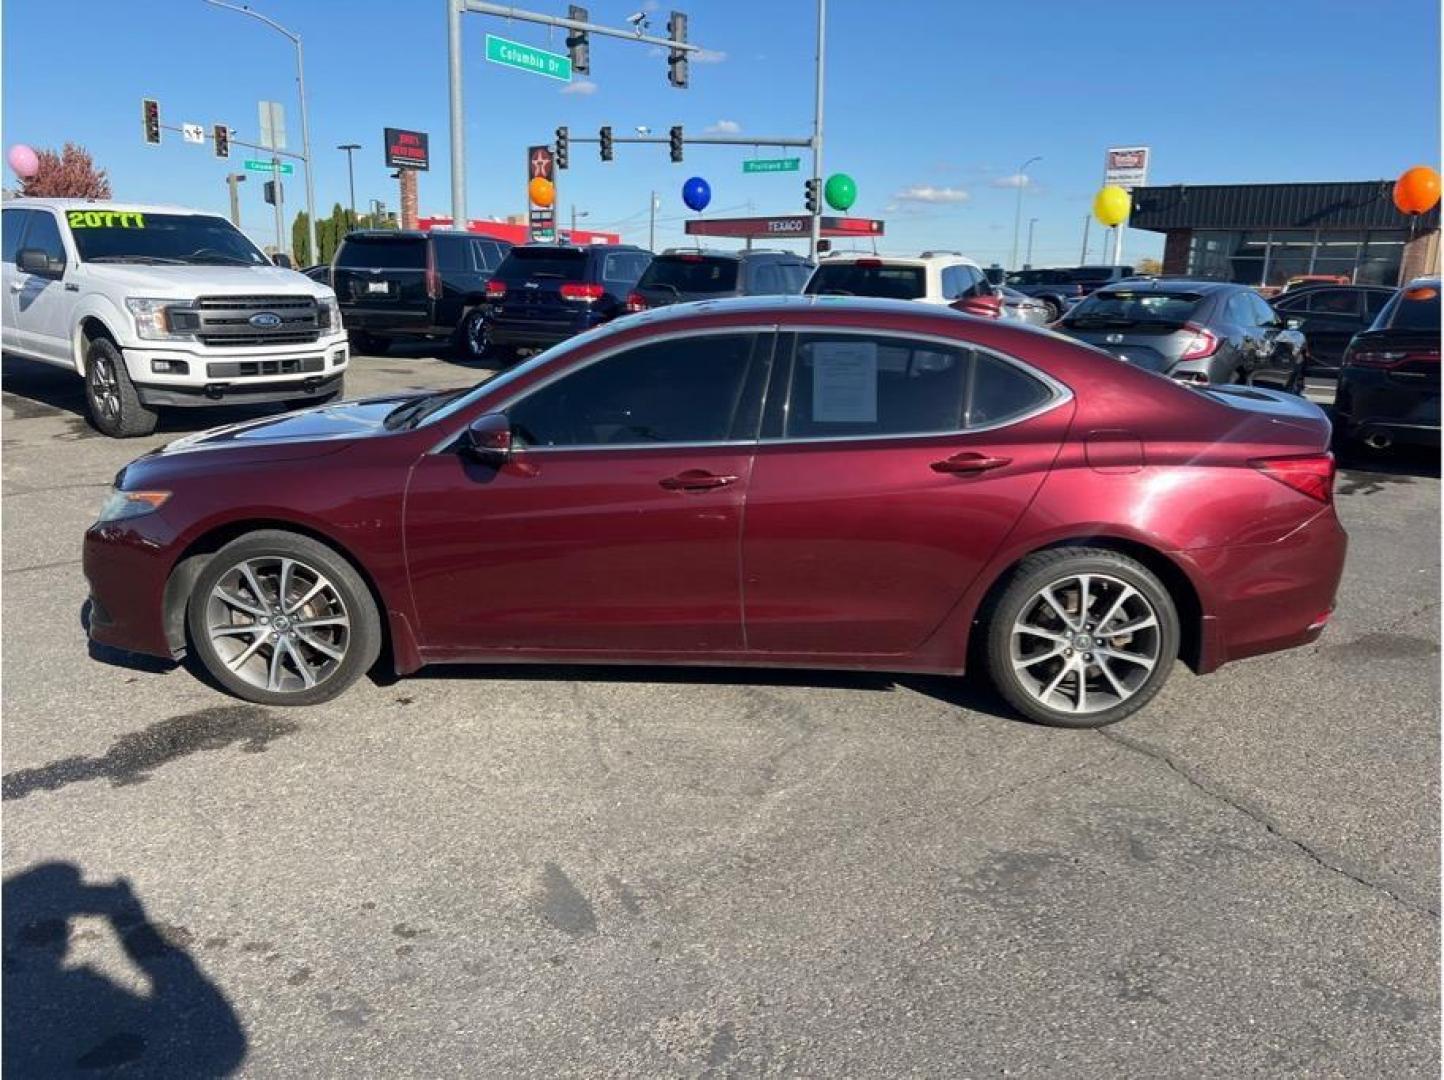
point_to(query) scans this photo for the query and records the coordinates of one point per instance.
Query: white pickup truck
(159, 306)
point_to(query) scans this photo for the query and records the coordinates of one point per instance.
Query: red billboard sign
(407, 149)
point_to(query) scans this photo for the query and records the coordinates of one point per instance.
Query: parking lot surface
(561, 871)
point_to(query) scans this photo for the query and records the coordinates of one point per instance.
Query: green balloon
(841, 191)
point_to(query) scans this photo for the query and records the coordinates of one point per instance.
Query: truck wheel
(282, 619)
(115, 407)
(473, 337)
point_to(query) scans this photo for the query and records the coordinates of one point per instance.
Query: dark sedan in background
(1193, 331)
(1329, 316)
(1389, 381)
(1061, 288)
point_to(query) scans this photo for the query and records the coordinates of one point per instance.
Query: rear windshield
(1124, 306)
(1414, 308)
(1025, 279)
(523, 264)
(401, 253)
(1091, 273)
(691, 274)
(116, 236)
(854, 279)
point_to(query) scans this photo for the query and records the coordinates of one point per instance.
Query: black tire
(1056, 565)
(110, 397)
(472, 339)
(368, 344)
(1055, 309)
(359, 648)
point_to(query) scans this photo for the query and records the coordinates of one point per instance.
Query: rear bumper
(416, 322)
(244, 393)
(1375, 401)
(529, 333)
(1268, 597)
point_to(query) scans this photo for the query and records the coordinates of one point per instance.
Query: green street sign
(537, 61)
(781, 164)
(253, 165)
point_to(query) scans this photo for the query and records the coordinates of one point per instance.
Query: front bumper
(181, 375)
(127, 564)
(241, 392)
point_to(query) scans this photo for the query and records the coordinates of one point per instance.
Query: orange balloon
(542, 191)
(1417, 190)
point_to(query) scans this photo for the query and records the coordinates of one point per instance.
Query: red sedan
(800, 481)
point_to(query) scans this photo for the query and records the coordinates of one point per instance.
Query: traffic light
(606, 138)
(677, 58)
(150, 120)
(812, 201)
(577, 46)
(676, 143)
(221, 136)
(272, 191)
(563, 141)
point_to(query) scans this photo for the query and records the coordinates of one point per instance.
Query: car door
(891, 468)
(43, 301)
(1329, 320)
(616, 525)
(1281, 349)
(12, 232)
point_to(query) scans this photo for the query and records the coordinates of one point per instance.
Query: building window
(1382, 256)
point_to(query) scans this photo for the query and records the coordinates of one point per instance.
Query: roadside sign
(253, 165)
(541, 162)
(763, 165)
(406, 149)
(527, 58)
(273, 125)
(783, 225)
(193, 133)
(1126, 167)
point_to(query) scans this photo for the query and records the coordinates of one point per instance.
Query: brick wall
(409, 205)
(1421, 256)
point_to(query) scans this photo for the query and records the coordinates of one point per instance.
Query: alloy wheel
(477, 334)
(1085, 643)
(278, 623)
(104, 387)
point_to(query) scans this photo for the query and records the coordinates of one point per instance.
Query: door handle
(696, 480)
(969, 462)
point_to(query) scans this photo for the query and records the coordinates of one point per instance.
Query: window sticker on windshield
(104, 219)
(844, 382)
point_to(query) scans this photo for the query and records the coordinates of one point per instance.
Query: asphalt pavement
(546, 872)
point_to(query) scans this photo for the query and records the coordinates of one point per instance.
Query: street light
(642, 129)
(1021, 179)
(1028, 262)
(305, 124)
(577, 214)
(351, 175)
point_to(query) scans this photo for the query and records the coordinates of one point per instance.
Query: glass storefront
(1270, 258)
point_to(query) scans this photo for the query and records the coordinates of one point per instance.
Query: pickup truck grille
(240, 369)
(225, 321)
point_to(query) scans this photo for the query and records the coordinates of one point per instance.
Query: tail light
(433, 275)
(869, 264)
(1311, 475)
(585, 291)
(1204, 343)
(495, 290)
(1388, 358)
(635, 302)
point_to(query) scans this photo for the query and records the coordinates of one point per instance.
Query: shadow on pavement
(61, 1018)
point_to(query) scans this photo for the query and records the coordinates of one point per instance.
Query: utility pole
(1021, 179)
(817, 131)
(1087, 221)
(1029, 260)
(351, 176)
(652, 223)
(231, 182)
(280, 206)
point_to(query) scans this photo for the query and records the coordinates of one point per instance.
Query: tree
(1151, 267)
(70, 174)
(301, 240)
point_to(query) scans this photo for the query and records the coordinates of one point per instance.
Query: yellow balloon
(1111, 206)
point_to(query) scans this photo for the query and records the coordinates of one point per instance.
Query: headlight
(328, 315)
(163, 320)
(128, 504)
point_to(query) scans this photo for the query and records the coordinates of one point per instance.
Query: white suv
(932, 277)
(162, 306)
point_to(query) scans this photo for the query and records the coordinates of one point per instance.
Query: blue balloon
(697, 193)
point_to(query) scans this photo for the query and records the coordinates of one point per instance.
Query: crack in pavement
(1163, 757)
(41, 566)
(1043, 778)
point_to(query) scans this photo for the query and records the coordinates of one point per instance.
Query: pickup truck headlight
(163, 320)
(120, 505)
(328, 315)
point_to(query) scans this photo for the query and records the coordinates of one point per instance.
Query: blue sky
(931, 106)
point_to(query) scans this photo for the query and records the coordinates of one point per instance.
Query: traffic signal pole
(817, 131)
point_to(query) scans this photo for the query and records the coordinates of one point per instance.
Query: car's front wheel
(281, 619)
(111, 398)
(1081, 637)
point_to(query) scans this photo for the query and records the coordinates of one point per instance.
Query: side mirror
(488, 439)
(281, 259)
(37, 262)
(985, 307)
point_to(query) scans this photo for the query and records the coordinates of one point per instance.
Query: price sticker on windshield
(104, 219)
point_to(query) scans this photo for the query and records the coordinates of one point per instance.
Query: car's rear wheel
(115, 407)
(281, 619)
(1081, 637)
(368, 343)
(473, 336)
(1055, 309)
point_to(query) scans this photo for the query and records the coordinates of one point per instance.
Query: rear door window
(694, 274)
(528, 263)
(453, 255)
(868, 278)
(401, 253)
(624, 266)
(955, 282)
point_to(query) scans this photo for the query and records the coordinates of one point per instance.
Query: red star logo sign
(541, 162)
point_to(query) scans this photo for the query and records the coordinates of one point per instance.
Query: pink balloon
(23, 160)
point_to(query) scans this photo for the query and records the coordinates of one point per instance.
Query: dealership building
(1264, 234)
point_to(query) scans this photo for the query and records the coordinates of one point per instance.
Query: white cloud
(651, 6)
(926, 193)
(723, 127)
(580, 86)
(1014, 180)
(707, 56)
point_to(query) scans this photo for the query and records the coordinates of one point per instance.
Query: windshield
(1122, 306)
(690, 274)
(123, 236)
(867, 279)
(521, 264)
(382, 252)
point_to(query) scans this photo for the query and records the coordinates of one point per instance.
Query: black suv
(544, 293)
(392, 285)
(1330, 316)
(680, 274)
